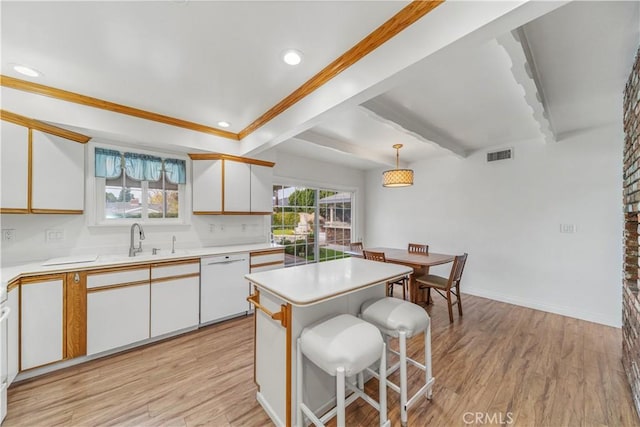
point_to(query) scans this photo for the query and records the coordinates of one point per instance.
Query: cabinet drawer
(117, 277)
(180, 268)
(267, 267)
(258, 258)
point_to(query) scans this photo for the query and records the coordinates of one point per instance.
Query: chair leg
(299, 421)
(404, 289)
(340, 392)
(450, 305)
(459, 300)
(427, 360)
(428, 296)
(403, 377)
(382, 387)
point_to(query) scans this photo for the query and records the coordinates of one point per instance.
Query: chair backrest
(457, 269)
(356, 247)
(417, 248)
(374, 256)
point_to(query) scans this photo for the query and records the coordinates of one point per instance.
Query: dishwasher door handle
(226, 262)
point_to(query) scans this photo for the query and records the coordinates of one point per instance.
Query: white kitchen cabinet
(261, 189)
(42, 317)
(207, 186)
(14, 167)
(12, 336)
(237, 186)
(57, 174)
(117, 308)
(175, 296)
(267, 260)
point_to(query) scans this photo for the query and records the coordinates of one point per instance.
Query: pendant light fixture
(397, 177)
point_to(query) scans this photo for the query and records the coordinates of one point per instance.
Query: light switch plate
(8, 234)
(568, 228)
(53, 235)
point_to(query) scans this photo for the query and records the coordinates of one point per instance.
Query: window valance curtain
(141, 167)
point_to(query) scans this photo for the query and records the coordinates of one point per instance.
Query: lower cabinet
(13, 332)
(42, 318)
(175, 296)
(118, 306)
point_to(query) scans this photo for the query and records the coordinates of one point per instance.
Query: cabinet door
(261, 189)
(237, 186)
(41, 312)
(12, 337)
(14, 167)
(57, 174)
(117, 317)
(207, 186)
(175, 305)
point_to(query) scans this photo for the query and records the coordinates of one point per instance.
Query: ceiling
(454, 82)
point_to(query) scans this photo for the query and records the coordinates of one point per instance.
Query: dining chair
(417, 248)
(446, 286)
(379, 256)
(356, 247)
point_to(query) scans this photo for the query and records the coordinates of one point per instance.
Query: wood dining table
(419, 262)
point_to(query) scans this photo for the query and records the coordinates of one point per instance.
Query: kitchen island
(287, 300)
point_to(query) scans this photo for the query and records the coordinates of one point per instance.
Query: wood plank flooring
(499, 364)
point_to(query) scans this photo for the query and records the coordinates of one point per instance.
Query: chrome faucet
(132, 249)
(173, 245)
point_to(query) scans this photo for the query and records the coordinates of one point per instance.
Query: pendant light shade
(397, 177)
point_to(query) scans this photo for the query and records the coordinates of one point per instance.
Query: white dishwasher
(223, 288)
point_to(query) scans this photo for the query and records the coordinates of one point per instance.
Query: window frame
(95, 191)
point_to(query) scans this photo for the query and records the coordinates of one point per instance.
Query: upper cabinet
(42, 167)
(229, 185)
(57, 174)
(14, 173)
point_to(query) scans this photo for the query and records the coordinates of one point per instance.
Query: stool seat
(342, 341)
(392, 315)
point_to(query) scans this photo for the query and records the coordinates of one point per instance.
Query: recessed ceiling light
(292, 56)
(224, 124)
(27, 71)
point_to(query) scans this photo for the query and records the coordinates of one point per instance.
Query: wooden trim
(176, 262)
(118, 286)
(76, 315)
(57, 211)
(8, 116)
(119, 268)
(288, 309)
(29, 168)
(63, 344)
(221, 156)
(236, 213)
(44, 278)
(14, 210)
(77, 98)
(260, 213)
(169, 278)
(20, 327)
(401, 20)
(207, 212)
(267, 252)
(12, 285)
(266, 264)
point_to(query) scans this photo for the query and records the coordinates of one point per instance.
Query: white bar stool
(402, 319)
(342, 346)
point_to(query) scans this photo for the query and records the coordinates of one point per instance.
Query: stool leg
(340, 397)
(299, 421)
(403, 377)
(427, 359)
(382, 387)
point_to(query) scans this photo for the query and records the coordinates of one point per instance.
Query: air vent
(505, 154)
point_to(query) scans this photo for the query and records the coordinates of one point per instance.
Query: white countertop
(9, 273)
(314, 283)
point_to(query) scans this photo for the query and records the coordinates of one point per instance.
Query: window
(138, 186)
(313, 224)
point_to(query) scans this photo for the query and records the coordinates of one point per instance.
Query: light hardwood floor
(499, 359)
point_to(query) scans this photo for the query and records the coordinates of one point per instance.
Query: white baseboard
(574, 312)
(269, 410)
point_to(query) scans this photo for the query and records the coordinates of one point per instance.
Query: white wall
(295, 170)
(507, 216)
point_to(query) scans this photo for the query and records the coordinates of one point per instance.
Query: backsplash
(40, 237)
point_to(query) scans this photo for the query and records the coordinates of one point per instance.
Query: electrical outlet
(8, 234)
(212, 228)
(53, 235)
(568, 228)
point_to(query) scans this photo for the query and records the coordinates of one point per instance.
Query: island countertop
(313, 283)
